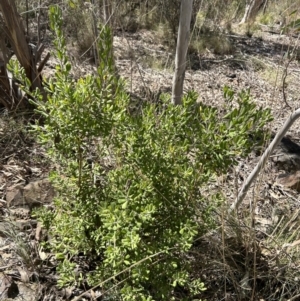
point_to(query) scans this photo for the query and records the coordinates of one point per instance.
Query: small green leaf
(60, 256)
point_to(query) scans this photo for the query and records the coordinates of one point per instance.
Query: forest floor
(259, 63)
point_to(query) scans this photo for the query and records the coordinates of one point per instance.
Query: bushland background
(251, 255)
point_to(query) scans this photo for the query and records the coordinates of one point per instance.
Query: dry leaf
(43, 255)
(24, 275)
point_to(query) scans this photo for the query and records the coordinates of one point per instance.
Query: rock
(28, 292)
(287, 154)
(39, 192)
(290, 180)
(24, 225)
(17, 291)
(14, 195)
(32, 195)
(20, 212)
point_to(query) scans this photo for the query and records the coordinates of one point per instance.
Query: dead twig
(263, 160)
(284, 76)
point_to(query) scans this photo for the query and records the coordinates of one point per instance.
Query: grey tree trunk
(252, 9)
(107, 13)
(181, 50)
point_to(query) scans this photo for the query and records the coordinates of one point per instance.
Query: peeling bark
(14, 32)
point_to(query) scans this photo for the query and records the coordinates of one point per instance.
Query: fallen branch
(43, 63)
(242, 193)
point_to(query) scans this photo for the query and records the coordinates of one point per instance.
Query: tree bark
(181, 50)
(252, 9)
(107, 13)
(5, 97)
(15, 33)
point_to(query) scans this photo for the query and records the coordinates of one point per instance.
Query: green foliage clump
(129, 185)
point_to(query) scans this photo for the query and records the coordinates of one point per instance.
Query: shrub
(129, 184)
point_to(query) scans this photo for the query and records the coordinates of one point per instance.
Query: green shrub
(129, 185)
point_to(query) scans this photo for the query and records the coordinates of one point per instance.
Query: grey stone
(32, 195)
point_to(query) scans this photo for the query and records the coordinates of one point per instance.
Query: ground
(260, 63)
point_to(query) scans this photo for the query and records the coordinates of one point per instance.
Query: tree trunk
(15, 34)
(107, 13)
(181, 50)
(252, 9)
(5, 92)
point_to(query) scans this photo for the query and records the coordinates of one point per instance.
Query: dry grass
(280, 12)
(213, 42)
(250, 257)
(158, 63)
(272, 74)
(24, 249)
